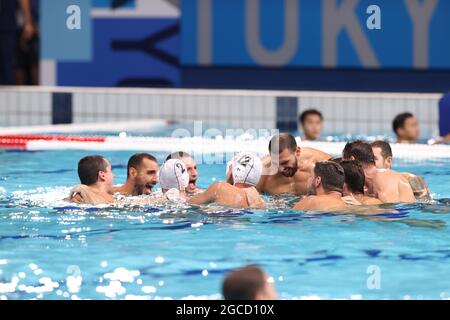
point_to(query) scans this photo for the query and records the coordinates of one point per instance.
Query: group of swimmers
(362, 177)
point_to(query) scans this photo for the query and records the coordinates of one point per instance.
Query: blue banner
(128, 52)
(412, 34)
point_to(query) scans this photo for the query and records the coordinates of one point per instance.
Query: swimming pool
(51, 252)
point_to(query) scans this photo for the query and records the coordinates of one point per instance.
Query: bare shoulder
(76, 198)
(408, 175)
(413, 178)
(385, 176)
(216, 186)
(305, 203)
(390, 176)
(315, 154)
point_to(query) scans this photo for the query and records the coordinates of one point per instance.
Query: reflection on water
(51, 249)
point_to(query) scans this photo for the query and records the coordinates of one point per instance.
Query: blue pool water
(50, 252)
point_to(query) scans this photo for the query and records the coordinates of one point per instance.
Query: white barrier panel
(358, 113)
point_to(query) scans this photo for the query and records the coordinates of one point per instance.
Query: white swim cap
(173, 174)
(246, 168)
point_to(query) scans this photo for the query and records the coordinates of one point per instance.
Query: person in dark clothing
(8, 35)
(27, 63)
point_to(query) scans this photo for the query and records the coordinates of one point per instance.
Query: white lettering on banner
(74, 19)
(337, 17)
(287, 50)
(374, 21)
(421, 17)
(334, 21)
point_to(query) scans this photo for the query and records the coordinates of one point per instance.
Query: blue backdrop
(392, 45)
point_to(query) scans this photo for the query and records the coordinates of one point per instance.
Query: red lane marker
(20, 141)
(13, 144)
(52, 138)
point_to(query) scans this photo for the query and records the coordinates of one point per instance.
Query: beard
(290, 172)
(143, 188)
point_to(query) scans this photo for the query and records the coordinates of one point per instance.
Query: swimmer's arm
(205, 197)
(420, 187)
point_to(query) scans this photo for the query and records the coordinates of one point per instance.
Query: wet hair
(354, 175)
(89, 167)
(399, 121)
(178, 155)
(307, 113)
(360, 150)
(332, 175)
(244, 283)
(385, 147)
(136, 160)
(284, 141)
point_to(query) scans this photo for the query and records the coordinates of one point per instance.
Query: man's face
(287, 163)
(191, 167)
(107, 177)
(410, 130)
(380, 162)
(312, 127)
(145, 177)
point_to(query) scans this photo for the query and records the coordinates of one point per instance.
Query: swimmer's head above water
(354, 177)
(142, 174)
(97, 180)
(96, 171)
(383, 154)
(248, 283)
(328, 177)
(173, 175)
(360, 151)
(284, 154)
(191, 167)
(246, 169)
